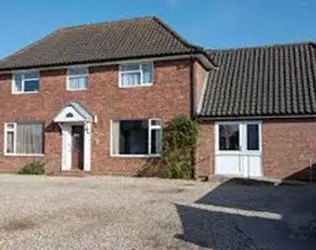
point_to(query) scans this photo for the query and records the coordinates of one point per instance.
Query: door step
(71, 173)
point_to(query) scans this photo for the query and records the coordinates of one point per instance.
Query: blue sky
(208, 23)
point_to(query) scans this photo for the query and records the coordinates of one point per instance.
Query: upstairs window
(25, 82)
(136, 74)
(77, 79)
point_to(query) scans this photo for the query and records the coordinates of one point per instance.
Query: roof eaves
(5, 69)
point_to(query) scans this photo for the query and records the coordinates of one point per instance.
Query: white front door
(238, 149)
(68, 146)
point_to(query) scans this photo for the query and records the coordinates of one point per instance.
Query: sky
(207, 23)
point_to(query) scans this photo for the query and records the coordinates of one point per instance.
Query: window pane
(133, 137)
(147, 73)
(10, 142)
(78, 83)
(229, 137)
(18, 83)
(156, 141)
(130, 79)
(155, 122)
(31, 85)
(29, 139)
(129, 67)
(10, 126)
(31, 75)
(252, 137)
(77, 71)
(115, 137)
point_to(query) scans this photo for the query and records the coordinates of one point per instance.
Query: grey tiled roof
(132, 38)
(278, 80)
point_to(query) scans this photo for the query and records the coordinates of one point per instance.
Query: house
(96, 97)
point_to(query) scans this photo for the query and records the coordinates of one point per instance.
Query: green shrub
(33, 168)
(178, 155)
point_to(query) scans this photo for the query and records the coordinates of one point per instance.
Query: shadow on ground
(239, 214)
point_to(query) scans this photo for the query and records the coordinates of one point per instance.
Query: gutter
(105, 62)
(192, 87)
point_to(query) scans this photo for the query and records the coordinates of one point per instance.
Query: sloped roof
(278, 80)
(124, 39)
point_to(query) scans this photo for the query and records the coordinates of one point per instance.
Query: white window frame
(150, 128)
(140, 70)
(6, 130)
(13, 89)
(69, 76)
(242, 138)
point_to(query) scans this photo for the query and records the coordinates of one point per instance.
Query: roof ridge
(106, 22)
(308, 42)
(179, 37)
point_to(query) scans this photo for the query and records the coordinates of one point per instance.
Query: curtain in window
(10, 142)
(29, 139)
(130, 79)
(147, 73)
(116, 137)
(78, 82)
(18, 83)
(156, 141)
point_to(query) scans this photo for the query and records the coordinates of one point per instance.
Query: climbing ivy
(178, 153)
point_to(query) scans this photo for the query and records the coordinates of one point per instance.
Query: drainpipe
(192, 88)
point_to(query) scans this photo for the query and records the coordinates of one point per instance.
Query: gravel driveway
(140, 213)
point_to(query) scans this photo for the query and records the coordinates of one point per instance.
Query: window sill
(136, 86)
(24, 155)
(25, 93)
(136, 156)
(76, 90)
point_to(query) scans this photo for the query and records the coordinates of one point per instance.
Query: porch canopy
(73, 112)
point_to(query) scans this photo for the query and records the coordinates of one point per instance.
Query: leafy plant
(33, 168)
(179, 146)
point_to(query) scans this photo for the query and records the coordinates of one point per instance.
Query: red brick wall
(288, 147)
(168, 97)
(205, 150)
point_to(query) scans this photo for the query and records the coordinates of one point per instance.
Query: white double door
(238, 149)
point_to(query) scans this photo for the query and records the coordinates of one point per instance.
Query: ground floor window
(136, 137)
(24, 139)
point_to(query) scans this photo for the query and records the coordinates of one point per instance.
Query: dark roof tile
(132, 38)
(262, 81)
